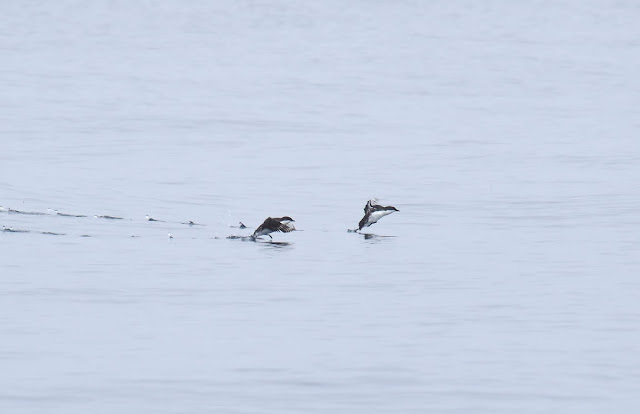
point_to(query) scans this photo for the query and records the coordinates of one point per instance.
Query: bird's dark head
(287, 218)
(392, 208)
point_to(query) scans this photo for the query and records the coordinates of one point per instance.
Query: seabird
(374, 212)
(151, 219)
(271, 224)
(239, 226)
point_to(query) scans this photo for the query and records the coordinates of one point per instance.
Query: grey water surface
(506, 133)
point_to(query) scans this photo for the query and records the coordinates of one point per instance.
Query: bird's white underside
(377, 215)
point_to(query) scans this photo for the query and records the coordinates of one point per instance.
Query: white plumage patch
(262, 232)
(377, 215)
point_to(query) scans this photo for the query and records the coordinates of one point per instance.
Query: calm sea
(506, 133)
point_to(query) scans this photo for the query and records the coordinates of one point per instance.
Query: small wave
(69, 215)
(12, 230)
(29, 213)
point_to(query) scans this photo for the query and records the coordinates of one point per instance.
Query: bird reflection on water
(375, 237)
(260, 241)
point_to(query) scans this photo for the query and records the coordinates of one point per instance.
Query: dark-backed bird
(374, 212)
(271, 224)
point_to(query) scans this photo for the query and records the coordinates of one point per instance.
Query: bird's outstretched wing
(272, 223)
(286, 228)
(262, 226)
(362, 222)
(370, 205)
